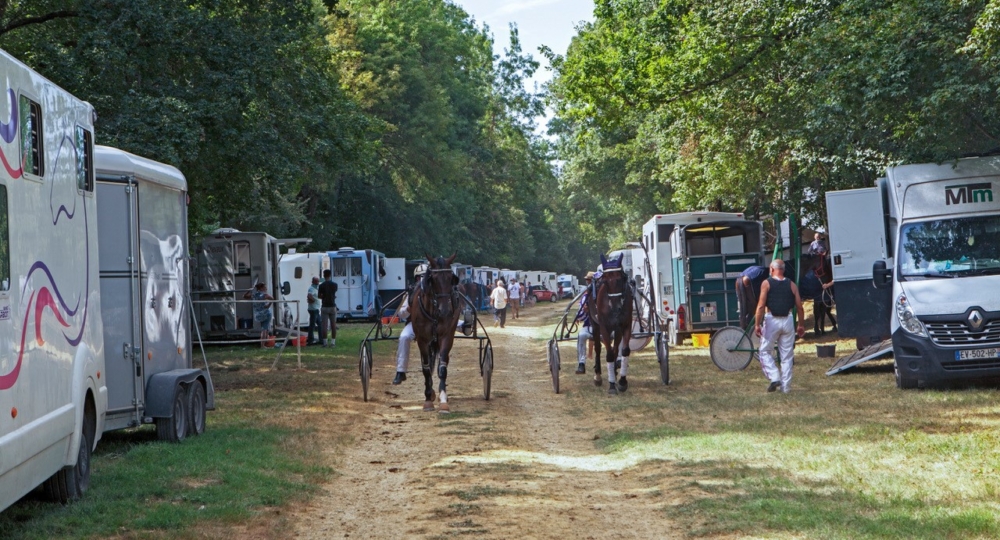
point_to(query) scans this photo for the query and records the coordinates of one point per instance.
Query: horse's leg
(611, 354)
(426, 365)
(625, 352)
(446, 344)
(597, 354)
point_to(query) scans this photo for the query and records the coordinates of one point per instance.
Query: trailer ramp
(870, 352)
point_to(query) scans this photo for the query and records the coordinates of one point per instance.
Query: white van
(53, 393)
(930, 234)
(296, 271)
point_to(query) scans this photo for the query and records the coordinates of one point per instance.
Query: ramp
(870, 352)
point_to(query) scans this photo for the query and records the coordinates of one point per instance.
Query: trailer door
(216, 283)
(119, 283)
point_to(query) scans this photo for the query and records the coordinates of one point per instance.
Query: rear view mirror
(286, 288)
(881, 276)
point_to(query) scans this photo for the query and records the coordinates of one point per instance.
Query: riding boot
(400, 377)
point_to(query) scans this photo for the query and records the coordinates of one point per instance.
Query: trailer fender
(160, 390)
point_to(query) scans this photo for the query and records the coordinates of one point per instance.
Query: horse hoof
(428, 406)
(444, 409)
(623, 384)
(612, 390)
(597, 381)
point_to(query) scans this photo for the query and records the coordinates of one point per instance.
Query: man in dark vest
(778, 296)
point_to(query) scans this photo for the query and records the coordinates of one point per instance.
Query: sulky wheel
(553, 358)
(663, 356)
(487, 370)
(732, 349)
(365, 367)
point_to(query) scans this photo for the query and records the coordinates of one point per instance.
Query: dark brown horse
(610, 308)
(434, 320)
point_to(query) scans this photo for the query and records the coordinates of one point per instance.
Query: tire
(196, 409)
(70, 483)
(663, 357)
(487, 371)
(903, 382)
(732, 349)
(175, 428)
(554, 363)
(365, 368)
(552, 299)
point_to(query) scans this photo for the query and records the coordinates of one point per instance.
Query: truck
(695, 258)
(229, 263)
(358, 274)
(569, 284)
(296, 271)
(53, 388)
(915, 259)
(144, 291)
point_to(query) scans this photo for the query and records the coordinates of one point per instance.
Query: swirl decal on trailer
(48, 296)
(8, 131)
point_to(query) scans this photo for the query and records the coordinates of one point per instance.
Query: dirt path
(522, 465)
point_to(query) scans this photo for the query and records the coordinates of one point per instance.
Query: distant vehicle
(695, 258)
(544, 295)
(929, 235)
(569, 284)
(358, 274)
(296, 271)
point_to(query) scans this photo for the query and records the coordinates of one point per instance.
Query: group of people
(321, 304)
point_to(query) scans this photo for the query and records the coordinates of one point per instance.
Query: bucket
(269, 343)
(302, 340)
(826, 351)
(390, 320)
(700, 340)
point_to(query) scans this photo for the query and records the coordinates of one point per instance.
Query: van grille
(958, 334)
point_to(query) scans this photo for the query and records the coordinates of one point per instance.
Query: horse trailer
(695, 258)
(486, 275)
(229, 263)
(296, 271)
(144, 287)
(357, 273)
(52, 390)
(393, 283)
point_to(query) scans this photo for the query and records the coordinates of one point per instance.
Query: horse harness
(425, 289)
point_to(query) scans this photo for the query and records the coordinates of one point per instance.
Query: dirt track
(522, 465)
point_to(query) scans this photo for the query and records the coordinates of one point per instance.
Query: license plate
(975, 354)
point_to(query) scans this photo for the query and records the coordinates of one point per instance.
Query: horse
(439, 306)
(610, 308)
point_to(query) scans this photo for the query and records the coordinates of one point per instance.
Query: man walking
(312, 305)
(327, 294)
(514, 291)
(499, 300)
(778, 295)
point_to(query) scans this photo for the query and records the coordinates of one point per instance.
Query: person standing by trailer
(261, 309)
(748, 292)
(499, 300)
(327, 293)
(313, 305)
(515, 297)
(823, 303)
(778, 295)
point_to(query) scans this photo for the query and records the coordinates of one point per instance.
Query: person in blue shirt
(261, 310)
(748, 291)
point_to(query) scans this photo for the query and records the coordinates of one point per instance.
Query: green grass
(848, 456)
(259, 453)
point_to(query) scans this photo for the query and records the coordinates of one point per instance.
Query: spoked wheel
(487, 370)
(732, 349)
(663, 356)
(365, 367)
(553, 358)
(640, 342)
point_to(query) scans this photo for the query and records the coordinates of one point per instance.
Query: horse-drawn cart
(472, 329)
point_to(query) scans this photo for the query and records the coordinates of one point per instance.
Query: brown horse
(434, 320)
(610, 308)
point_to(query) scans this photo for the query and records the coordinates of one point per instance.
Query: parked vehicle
(544, 295)
(144, 288)
(229, 263)
(52, 390)
(358, 274)
(394, 281)
(296, 271)
(568, 284)
(486, 275)
(695, 258)
(929, 233)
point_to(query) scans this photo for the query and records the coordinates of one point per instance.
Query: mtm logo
(968, 193)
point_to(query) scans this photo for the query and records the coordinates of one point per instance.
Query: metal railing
(295, 331)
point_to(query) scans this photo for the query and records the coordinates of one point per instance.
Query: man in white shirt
(498, 298)
(514, 291)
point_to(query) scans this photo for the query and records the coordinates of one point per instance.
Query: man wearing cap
(328, 309)
(778, 296)
(261, 309)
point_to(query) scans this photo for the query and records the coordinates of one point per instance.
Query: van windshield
(950, 248)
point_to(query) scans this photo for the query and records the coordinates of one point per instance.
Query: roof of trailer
(112, 161)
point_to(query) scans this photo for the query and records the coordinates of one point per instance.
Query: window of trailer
(32, 154)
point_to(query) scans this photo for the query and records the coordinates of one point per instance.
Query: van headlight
(907, 319)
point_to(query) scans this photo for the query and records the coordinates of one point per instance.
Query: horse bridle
(453, 296)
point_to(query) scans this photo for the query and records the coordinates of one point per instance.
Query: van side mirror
(286, 288)
(881, 276)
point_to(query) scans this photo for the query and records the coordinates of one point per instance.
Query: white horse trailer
(53, 392)
(144, 286)
(230, 263)
(393, 283)
(296, 271)
(486, 275)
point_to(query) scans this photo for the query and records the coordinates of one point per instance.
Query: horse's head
(614, 282)
(440, 285)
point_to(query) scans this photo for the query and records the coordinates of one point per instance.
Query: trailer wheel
(175, 428)
(196, 408)
(70, 483)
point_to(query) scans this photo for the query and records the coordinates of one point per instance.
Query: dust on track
(522, 465)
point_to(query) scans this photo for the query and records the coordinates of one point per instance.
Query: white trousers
(581, 344)
(778, 331)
